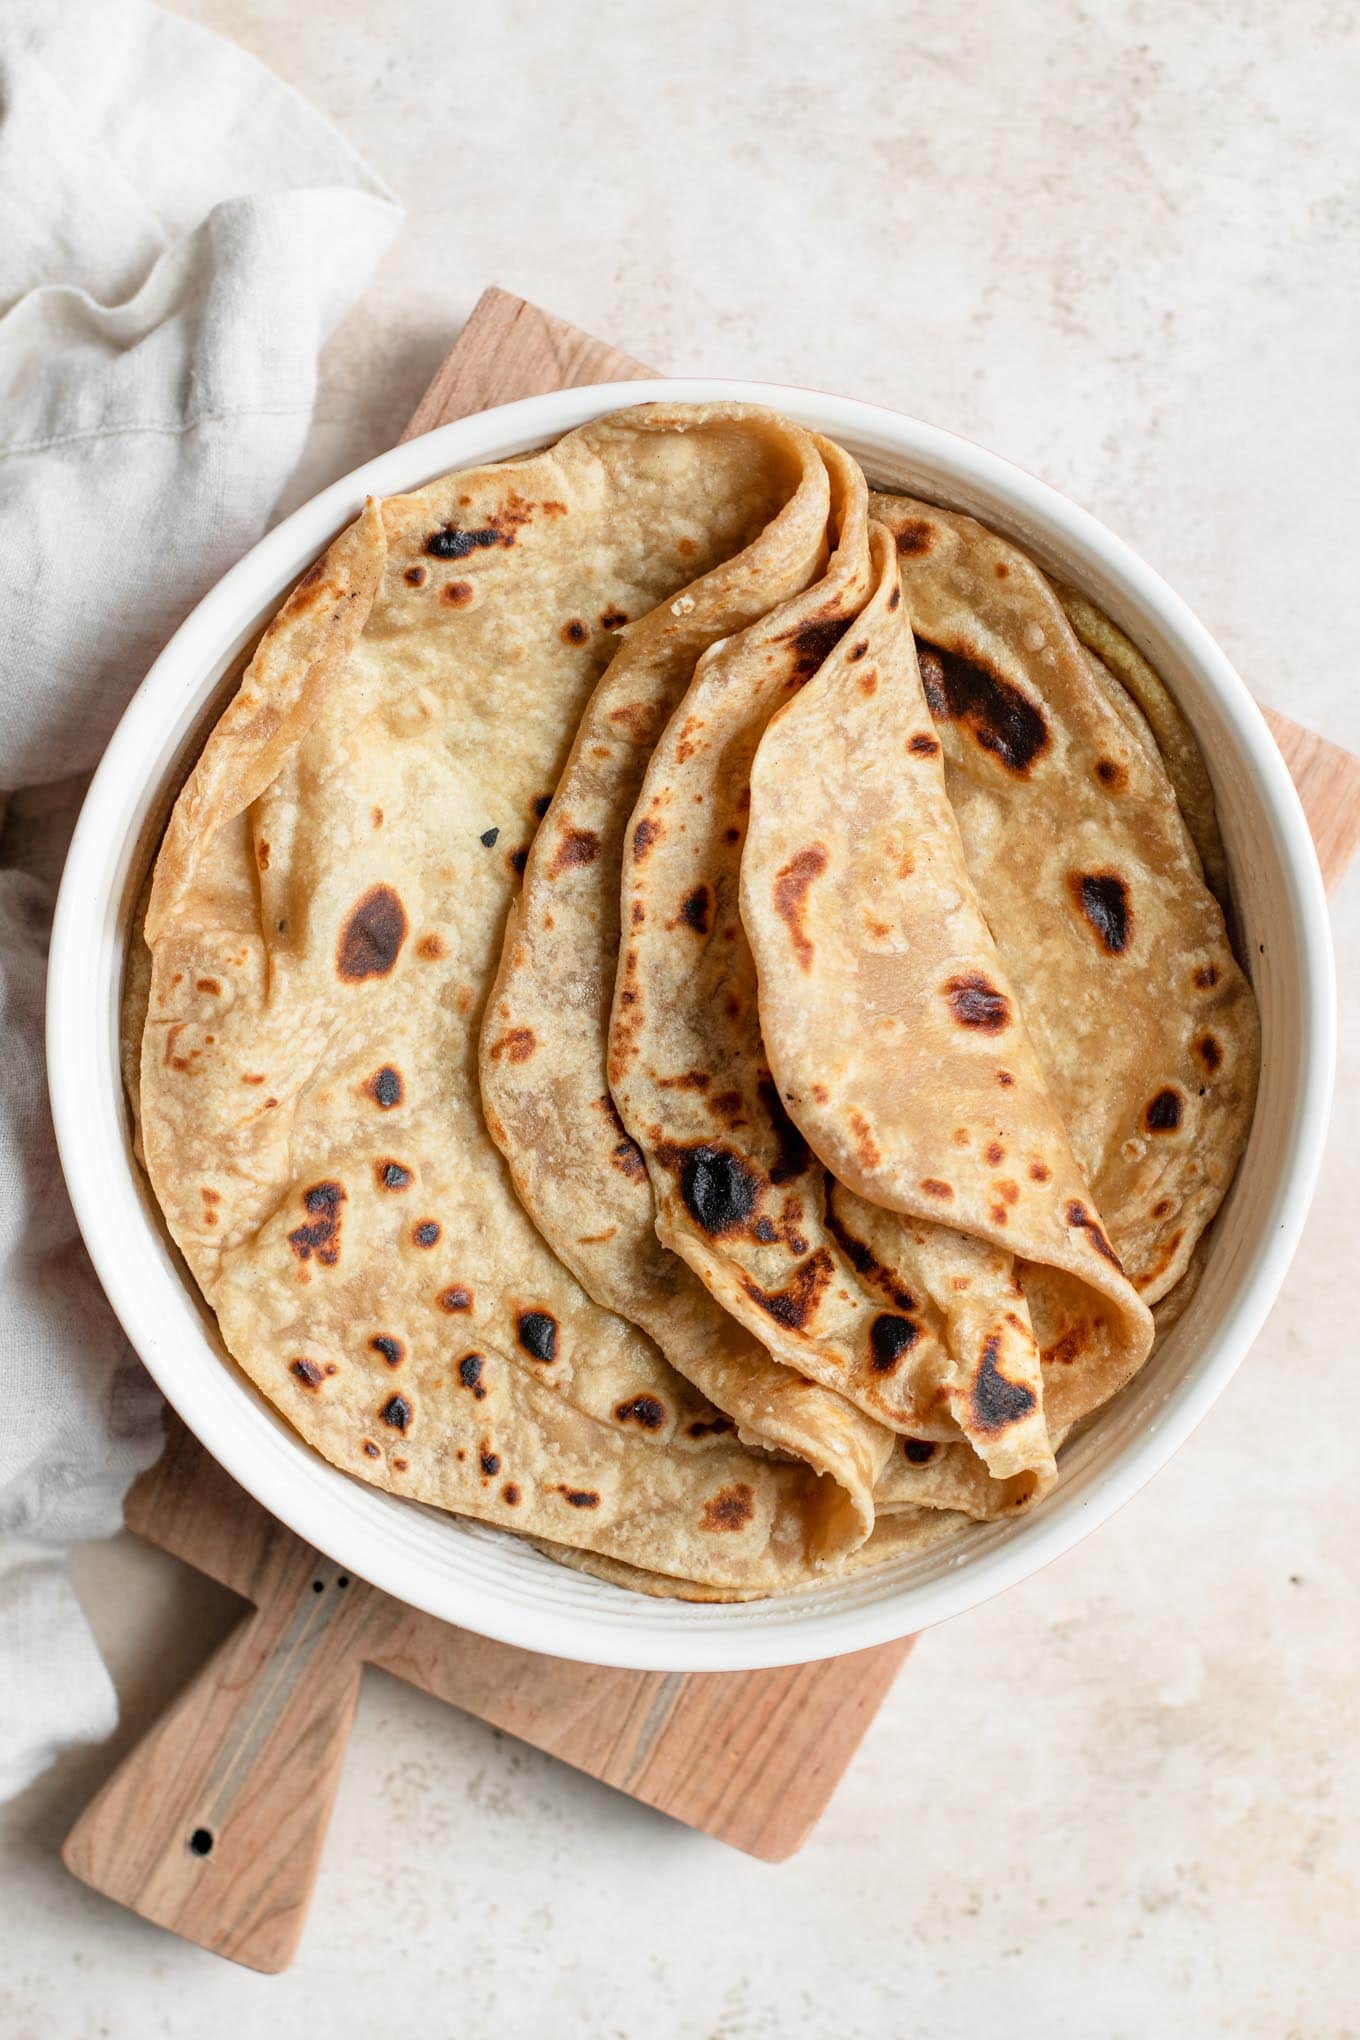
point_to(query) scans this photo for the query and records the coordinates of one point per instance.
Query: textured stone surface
(1118, 243)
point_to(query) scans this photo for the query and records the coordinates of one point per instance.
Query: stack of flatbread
(686, 1009)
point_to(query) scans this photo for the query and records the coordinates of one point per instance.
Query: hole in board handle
(201, 1842)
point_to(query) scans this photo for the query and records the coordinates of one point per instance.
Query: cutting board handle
(213, 1826)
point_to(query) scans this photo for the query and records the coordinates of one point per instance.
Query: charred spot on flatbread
(371, 938)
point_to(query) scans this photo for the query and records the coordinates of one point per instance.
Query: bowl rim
(104, 1204)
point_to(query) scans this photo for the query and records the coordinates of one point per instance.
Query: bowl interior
(491, 1582)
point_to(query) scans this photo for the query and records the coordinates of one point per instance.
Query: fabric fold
(179, 234)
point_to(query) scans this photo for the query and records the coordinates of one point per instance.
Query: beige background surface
(1118, 243)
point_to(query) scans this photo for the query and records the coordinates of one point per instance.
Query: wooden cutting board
(213, 1826)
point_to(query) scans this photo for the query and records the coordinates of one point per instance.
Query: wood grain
(214, 1825)
(511, 349)
(247, 1759)
(751, 1758)
(1328, 780)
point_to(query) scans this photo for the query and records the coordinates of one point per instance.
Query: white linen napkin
(179, 233)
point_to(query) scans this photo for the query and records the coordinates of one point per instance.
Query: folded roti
(918, 1322)
(897, 1040)
(1090, 878)
(1141, 699)
(325, 921)
(545, 1087)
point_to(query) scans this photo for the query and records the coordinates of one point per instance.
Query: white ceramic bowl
(493, 1583)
